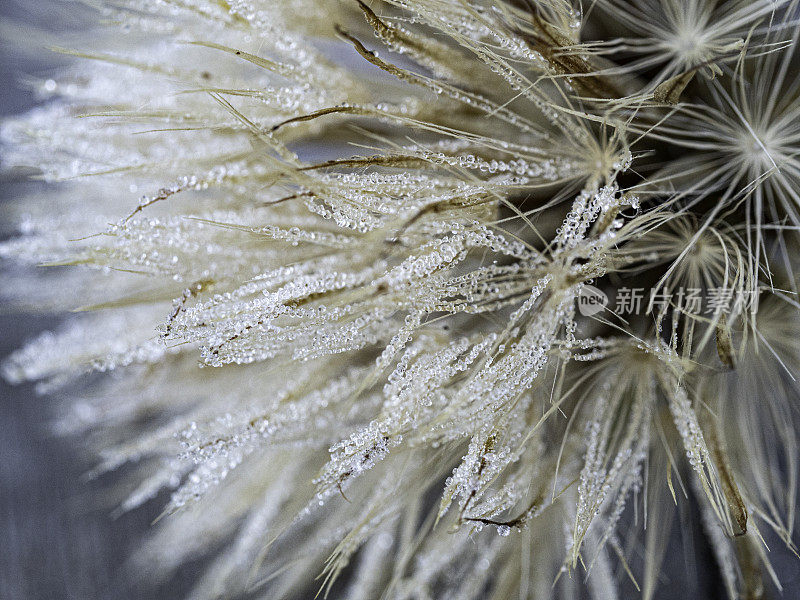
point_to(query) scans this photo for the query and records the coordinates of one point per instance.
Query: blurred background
(58, 539)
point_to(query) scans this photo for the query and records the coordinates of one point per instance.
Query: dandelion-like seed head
(362, 285)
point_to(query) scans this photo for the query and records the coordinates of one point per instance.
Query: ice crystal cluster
(328, 258)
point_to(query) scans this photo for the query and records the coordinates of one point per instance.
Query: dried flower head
(456, 268)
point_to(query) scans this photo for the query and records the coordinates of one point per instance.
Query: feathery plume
(374, 282)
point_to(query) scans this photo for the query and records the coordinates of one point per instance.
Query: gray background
(57, 540)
